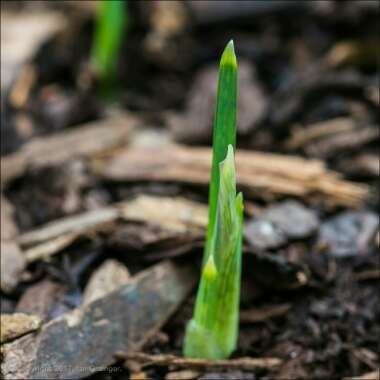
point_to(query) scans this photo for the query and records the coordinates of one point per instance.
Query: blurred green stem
(111, 23)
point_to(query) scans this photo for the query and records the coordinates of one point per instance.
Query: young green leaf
(224, 130)
(213, 331)
(110, 23)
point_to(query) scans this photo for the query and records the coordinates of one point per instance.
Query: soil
(310, 285)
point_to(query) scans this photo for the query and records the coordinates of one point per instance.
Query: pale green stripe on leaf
(213, 331)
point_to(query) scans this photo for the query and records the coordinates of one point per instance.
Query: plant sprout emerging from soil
(110, 23)
(213, 331)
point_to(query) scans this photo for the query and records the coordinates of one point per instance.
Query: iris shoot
(212, 333)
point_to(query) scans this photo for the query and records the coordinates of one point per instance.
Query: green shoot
(110, 23)
(224, 130)
(213, 331)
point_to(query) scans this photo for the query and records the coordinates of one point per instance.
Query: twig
(172, 360)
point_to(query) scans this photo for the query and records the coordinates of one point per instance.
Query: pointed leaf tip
(228, 56)
(209, 270)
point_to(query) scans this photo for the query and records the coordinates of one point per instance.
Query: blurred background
(301, 62)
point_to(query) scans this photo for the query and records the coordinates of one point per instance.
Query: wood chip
(262, 314)
(174, 216)
(343, 142)
(110, 276)
(176, 361)
(367, 164)
(21, 34)
(303, 136)
(186, 374)
(45, 250)
(16, 325)
(375, 375)
(22, 87)
(13, 263)
(86, 140)
(88, 337)
(370, 358)
(40, 298)
(8, 226)
(352, 52)
(261, 174)
(372, 274)
(137, 376)
(140, 236)
(63, 228)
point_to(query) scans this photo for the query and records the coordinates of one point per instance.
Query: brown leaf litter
(264, 175)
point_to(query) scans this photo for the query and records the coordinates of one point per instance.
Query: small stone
(263, 235)
(349, 233)
(110, 276)
(279, 223)
(17, 324)
(293, 219)
(326, 309)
